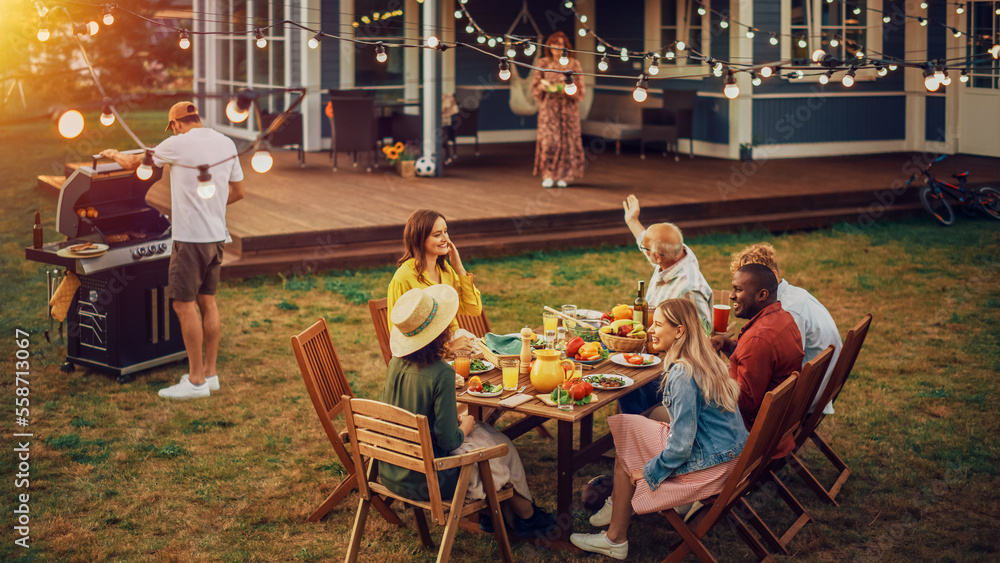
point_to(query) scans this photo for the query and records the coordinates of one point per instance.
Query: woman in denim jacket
(661, 465)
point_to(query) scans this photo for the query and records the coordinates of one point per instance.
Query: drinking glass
(564, 407)
(511, 368)
(569, 311)
(550, 321)
(462, 362)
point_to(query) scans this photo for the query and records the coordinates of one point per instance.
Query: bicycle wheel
(989, 201)
(936, 205)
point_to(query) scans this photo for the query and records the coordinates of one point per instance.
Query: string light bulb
(570, 87)
(261, 41)
(583, 31)
(492, 42)
(601, 48)
(603, 64)
(947, 79)
(433, 42)
(857, 11)
(750, 34)
(923, 5)
(261, 161)
(669, 55)
(701, 10)
(315, 40)
(529, 50)
(818, 55)
(238, 108)
(881, 70)
(145, 170)
(681, 45)
(70, 124)
(107, 118)
(834, 42)
(825, 77)
(997, 11)
(731, 90)
(959, 8)
(995, 51)
(803, 44)
(640, 94)
(860, 54)
(624, 54)
(798, 75)
(469, 28)
(504, 69)
(774, 39)
(93, 28)
(893, 67)
(206, 187)
(184, 42)
(955, 32)
(43, 33)
(755, 79)
(922, 21)
(511, 51)
(481, 39)
(930, 82)
(458, 14)
(654, 67)
(724, 24)
(766, 71)
(109, 18)
(380, 54)
(564, 57)
(583, 18)
(939, 74)
(848, 79)
(964, 77)
(886, 18)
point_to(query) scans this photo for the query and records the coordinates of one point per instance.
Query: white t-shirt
(817, 327)
(195, 219)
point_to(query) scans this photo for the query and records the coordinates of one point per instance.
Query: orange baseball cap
(179, 110)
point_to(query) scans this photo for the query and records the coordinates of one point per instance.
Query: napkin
(503, 344)
(63, 296)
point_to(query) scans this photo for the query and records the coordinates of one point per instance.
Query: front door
(979, 98)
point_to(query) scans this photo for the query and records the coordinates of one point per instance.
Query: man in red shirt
(768, 349)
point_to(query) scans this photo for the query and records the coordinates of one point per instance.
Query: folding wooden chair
(325, 381)
(379, 309)
(387, 433)
(805, 391)
(761, 443)
(478, 325)
(841, 370)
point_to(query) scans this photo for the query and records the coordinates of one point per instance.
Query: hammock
(521, 102)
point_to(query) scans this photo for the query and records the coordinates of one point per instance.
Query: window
(983, 22)
(671, 21)
(839, 28)
(374, 23)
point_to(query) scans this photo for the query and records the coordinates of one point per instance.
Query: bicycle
(932, 195)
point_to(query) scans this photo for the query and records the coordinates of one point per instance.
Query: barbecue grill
(120, 320)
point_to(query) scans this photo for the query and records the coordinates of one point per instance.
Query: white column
(740, 49)
(431, 99)
(916, 101)
(311, 108)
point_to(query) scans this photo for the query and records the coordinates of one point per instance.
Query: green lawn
(119, 474)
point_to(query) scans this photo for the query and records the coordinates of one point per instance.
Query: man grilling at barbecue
(199, 233)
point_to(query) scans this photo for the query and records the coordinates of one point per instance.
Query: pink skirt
(638, 440)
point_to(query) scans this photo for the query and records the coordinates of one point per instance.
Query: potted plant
(746, 149)
(403, 157)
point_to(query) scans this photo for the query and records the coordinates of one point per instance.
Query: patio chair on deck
(761, 443)
(353, 128)
(841, 370)
(805, 391)
(382, 432)
(326, 383)
(379, 309)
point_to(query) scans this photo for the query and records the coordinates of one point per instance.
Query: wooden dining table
(569, 459)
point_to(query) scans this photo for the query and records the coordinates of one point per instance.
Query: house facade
(786, 115)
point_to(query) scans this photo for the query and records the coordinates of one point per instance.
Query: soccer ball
(425, 166)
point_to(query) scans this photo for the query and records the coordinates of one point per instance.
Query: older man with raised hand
(675, 276)
(817, 327)
(768, 348)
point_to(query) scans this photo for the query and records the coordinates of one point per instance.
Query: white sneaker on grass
(602, 517)
(185, 390)
(598, 543)
(213, 382)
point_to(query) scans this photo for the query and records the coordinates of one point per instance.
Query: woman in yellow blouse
(424, 264)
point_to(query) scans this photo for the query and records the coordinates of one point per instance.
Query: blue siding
(934, 114)
(937, 35)
(616, 22)
(824, 119)
(329, 49)
(711, 120)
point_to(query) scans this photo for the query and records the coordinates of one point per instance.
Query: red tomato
(578, 391)
(588, 387)
(635, 360)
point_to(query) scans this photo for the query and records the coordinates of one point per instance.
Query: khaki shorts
(194, 269)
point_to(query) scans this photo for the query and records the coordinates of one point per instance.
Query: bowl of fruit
(588, 334)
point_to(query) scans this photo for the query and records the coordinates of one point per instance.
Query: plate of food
(479, 388)
(636, 360)
(476, 366)
(83, 250)
(590, 353)
(609, 381)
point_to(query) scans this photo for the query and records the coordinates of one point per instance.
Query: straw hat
(420, 316)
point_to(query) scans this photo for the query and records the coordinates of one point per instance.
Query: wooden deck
(309, 218)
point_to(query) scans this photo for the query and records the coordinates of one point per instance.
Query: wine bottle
(36, 231)
(640, 309)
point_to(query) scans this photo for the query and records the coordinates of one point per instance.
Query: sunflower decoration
(400, 151)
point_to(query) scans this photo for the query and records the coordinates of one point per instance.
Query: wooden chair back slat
(761, 443)
(841, 370)
(380, 440)
(478, 325)
(805, 390)
(322, 373)
(379, 309)
(413, 463)
(390, 428)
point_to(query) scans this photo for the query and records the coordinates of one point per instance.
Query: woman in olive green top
(420, 381)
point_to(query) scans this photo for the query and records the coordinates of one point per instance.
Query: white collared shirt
(817, 327)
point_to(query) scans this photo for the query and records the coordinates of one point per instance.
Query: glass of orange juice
(462, 362)
(550, 321)
(511, 368)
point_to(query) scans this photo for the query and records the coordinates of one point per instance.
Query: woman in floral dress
(559, 149)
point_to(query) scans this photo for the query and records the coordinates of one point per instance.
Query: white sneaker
(598, 543)
(185, 390)
(213, 382)
(602, 517)
(561, 184)
(547, 183)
